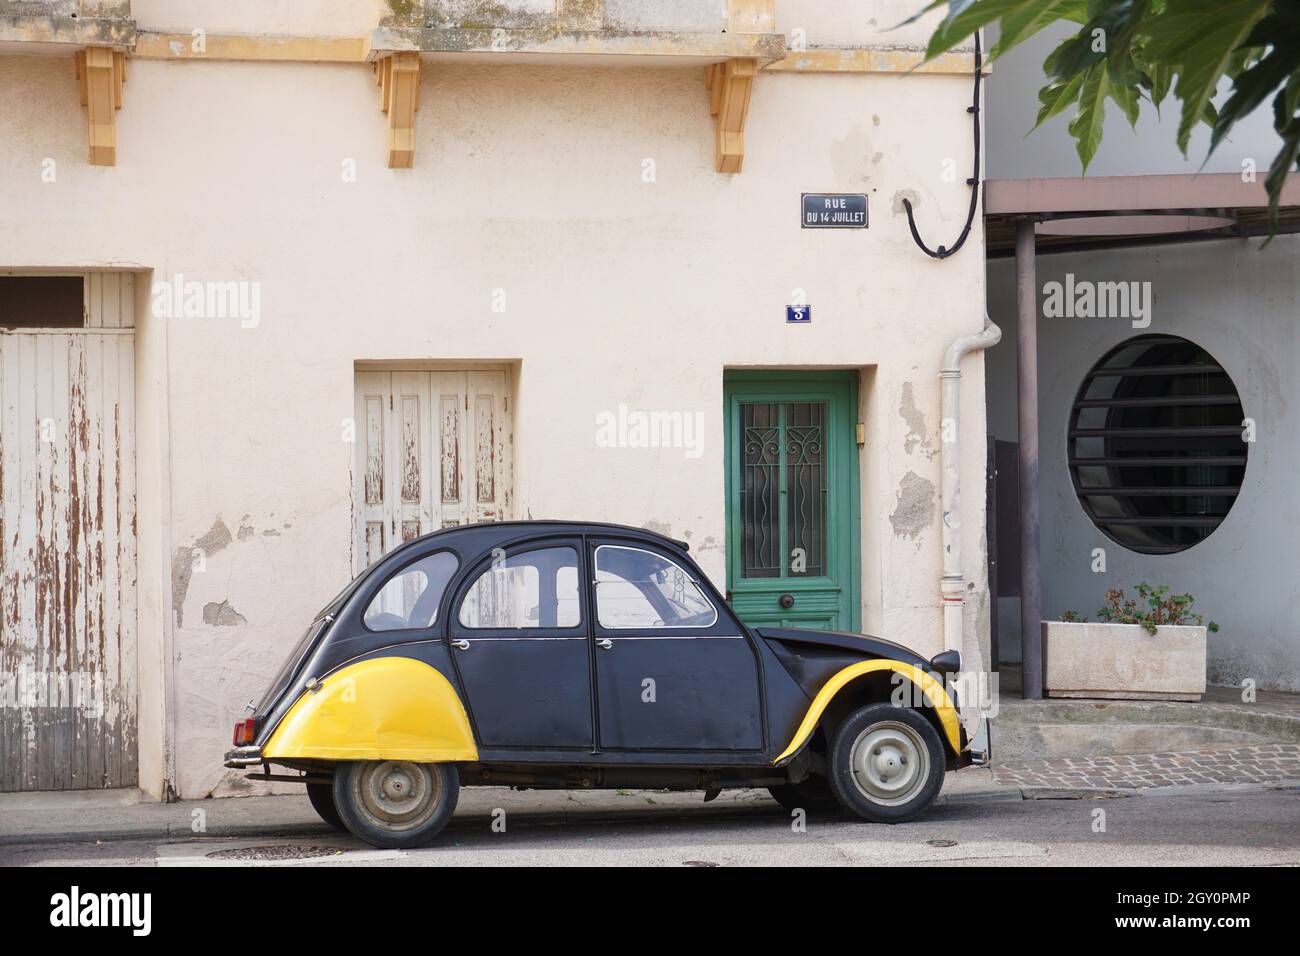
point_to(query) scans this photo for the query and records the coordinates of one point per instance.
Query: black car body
(568, 655)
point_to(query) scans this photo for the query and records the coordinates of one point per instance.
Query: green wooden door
(792, 498)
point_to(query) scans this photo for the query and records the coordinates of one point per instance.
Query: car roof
(486, 529)
(551, 524)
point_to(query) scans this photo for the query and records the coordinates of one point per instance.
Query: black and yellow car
(564, 655)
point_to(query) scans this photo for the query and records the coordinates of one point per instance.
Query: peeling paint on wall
(182, 568)
(217, 538)
(917, 433)
(915, 508)
(896, 203)
(222, 615)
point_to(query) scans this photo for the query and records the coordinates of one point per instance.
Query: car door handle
(605, 643)
(460, 645)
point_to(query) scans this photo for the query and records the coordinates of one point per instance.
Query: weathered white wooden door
(434, 450)
(68, 553)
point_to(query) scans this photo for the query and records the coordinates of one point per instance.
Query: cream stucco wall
(529, 180)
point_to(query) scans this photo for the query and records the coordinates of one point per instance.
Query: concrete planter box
(1123, 661)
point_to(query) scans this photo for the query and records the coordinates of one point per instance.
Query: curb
(152, 835)
(1003, 794)
(1078, 793)
(183, 834)
(1172, 790)
(1190, 789)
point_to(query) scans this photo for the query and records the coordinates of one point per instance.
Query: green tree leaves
(1087, 123)
(1125, 50)
(1198, 38)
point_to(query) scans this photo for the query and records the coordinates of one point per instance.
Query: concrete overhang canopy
(1076, 213)
(577, 47)
(729, 58)
(51, 35)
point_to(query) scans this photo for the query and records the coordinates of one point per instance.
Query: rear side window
(410, 598)
(533, 589)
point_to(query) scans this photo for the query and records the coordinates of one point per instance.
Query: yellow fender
(385, 708)
(933, 690)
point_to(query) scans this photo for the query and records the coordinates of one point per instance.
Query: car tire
(886, 763)
(396, 804)
(321, 796)
(812, 794)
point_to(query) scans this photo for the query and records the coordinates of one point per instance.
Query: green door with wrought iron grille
(792, 498)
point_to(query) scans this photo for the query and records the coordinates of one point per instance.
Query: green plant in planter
(1154, 607)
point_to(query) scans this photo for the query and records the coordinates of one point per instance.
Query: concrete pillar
(1031, 638)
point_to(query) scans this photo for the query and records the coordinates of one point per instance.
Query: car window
(638, 588)
(410, 598)
(532, 589)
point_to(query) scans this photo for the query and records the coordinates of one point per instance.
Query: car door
(520, 643)
(674, 671)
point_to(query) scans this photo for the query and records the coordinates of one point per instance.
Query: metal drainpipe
(952, 586)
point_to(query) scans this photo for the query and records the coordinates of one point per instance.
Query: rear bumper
(242, 757)
(981, 748)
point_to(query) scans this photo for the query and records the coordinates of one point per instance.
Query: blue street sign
(834, 211)
(798, 313)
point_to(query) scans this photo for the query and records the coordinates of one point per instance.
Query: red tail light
(245, 732)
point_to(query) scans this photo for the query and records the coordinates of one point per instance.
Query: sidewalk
(1277, 763)
(121, 815)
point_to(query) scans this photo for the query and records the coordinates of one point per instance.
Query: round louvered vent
(1157, 452)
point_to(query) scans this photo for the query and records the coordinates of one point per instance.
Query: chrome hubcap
(890, 763)
(397, 795)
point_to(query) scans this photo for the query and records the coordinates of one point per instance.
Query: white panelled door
(434, 450)
(68, 556)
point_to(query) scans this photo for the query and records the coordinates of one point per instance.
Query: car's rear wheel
(887, 763)
(321, 796)
(396, 804)
(811, 794)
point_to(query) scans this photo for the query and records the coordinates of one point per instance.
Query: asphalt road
(1257, 827)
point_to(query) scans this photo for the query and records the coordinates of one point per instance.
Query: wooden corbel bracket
(100, 74)
(398, 77)
(729, 85)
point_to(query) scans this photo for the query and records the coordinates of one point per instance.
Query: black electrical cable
(973, 182)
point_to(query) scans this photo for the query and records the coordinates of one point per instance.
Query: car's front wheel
(886, 763)
(396, 804)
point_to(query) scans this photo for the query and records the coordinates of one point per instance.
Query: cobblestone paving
(1264, 763)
